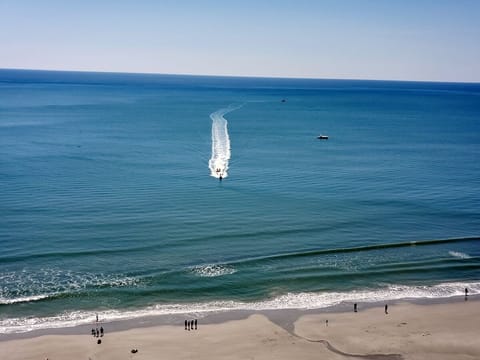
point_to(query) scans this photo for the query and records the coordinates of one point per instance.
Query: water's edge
(282, 317)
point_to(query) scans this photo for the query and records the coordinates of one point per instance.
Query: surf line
(221, 151)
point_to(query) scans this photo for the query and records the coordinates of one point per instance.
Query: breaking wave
(287, 301)
(459, 255)
(29, 286)
(213, 270)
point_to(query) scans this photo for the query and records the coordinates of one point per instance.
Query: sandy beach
(408, 331)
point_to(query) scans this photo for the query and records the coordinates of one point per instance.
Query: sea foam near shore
(302, 301)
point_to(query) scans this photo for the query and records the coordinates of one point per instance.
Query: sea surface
(134, 194)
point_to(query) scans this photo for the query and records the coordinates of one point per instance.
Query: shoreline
(418, 330)
(282, 317)
(76, 321)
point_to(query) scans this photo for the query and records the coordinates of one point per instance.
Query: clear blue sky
(434, 40)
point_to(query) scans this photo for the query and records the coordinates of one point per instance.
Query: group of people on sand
(191, 324)
(97, 332)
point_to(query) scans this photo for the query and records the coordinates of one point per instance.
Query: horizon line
(240, 76)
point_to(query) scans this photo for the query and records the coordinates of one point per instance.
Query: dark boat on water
(322, 137)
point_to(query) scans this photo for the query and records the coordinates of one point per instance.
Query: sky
(426, 40)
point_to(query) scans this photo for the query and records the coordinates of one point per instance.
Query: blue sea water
(110, 200)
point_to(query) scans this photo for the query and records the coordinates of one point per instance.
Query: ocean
(138, 194)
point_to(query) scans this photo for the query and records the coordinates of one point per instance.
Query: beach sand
(408, 331)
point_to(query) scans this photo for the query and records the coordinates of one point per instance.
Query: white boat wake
(218, 163)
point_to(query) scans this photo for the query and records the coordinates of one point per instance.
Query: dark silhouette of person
(326, 322)
(93, 332)
(386, 309)
(195, 324)
(101, 331)
(185, 324)
(355, 307)
(98, 333)
(188, 322)
(220, 178)
(466, 291)
(191, 324)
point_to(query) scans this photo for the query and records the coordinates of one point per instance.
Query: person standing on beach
(185, 324)
(355, 307)
(98, 333)
(386, 309)
(195, 324)
(101, 331)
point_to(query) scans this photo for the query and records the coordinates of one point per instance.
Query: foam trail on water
(218, 163)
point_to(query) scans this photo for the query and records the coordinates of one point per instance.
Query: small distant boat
(283, 100)
(322, 137)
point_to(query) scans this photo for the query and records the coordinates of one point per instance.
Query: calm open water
(109, 201)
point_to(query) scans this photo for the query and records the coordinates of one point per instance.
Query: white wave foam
(219, 162)
(29, 285)
(286, 301)
(459, 255)
(4, 300)
(392, 292)
(213, 270)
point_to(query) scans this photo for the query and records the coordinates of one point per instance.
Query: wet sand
(409, 331)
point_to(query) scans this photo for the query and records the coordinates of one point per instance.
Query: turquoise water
(110, 203)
